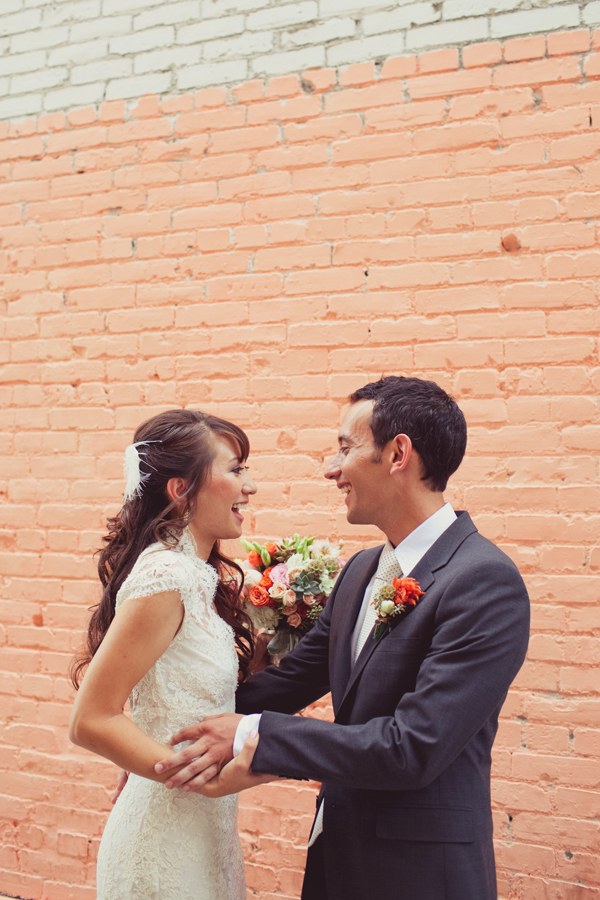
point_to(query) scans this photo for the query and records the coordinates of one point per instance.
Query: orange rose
(254, 558)
(266, 581)
(272, 548)
(258, 596)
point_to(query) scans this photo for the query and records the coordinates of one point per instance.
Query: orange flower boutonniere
(393, 600)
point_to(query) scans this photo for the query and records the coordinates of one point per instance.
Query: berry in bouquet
(286, 586)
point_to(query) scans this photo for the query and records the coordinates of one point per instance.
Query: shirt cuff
(245, 726)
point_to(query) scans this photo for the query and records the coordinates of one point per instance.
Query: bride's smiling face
(221, 502)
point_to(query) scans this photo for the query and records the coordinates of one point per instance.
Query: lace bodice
(162, 844)
(197, 674)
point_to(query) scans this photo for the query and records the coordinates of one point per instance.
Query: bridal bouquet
(286, 586)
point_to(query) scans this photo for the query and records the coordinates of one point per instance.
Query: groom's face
(357, 467)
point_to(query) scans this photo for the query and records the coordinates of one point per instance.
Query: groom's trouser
(314, 887)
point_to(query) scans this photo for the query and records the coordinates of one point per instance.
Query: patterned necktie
(387, 570)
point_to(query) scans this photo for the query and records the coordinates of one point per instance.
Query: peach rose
(290, 609)
(294, 620)
(289, 598)
(277, 591)
(309, 599)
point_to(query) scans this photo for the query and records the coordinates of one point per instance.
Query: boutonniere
(393, 600)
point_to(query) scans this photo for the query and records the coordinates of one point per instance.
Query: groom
(404, 810)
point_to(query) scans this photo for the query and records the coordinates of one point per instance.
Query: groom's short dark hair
(427, 414)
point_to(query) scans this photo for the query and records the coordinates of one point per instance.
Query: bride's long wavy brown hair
(181, 444)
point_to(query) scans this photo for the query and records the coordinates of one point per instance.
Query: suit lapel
(425, 579)
(436, 557)
(363, 569)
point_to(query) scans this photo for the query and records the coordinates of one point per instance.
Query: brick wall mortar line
(85, 57)
(127, 289)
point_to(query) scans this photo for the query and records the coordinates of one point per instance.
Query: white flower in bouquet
(325, 548)
(251, 578)
(295, 561)
(263, 618)
(327, 584)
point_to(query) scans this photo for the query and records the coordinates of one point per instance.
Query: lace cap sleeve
(155, 572)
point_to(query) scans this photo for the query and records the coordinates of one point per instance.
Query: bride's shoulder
(157, 569)
(158, 556)
(166, 568)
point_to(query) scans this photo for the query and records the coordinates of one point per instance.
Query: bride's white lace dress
(162, 844)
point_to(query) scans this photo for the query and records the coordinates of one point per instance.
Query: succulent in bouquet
(286, 586)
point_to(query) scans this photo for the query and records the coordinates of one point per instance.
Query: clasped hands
(209, 767)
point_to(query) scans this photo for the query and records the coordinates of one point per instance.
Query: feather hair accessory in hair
(134, 480)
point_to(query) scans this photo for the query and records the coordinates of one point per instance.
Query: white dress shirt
(408, 552)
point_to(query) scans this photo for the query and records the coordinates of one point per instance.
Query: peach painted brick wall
(260, 253)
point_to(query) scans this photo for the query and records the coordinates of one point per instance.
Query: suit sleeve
(302, 676)
(478, 646)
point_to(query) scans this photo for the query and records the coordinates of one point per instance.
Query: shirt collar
(417, 543)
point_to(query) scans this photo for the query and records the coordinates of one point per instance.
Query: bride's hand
(236, 776)
(121, 782)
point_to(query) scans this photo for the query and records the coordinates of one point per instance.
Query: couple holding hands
(404, 810)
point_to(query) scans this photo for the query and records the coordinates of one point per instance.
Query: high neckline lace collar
(187, 545)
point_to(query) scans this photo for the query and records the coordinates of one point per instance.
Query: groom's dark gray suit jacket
(406, 766)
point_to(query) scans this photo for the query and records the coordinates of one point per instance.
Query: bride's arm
(139, 634)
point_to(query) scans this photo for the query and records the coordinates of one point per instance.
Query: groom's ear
(400, 453)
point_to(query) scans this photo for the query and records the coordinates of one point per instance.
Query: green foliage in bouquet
(304, 583)
(273, 553)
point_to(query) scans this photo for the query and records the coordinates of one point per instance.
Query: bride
(170, 635)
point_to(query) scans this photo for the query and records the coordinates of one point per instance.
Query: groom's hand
(237, 775)
(212, 749)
